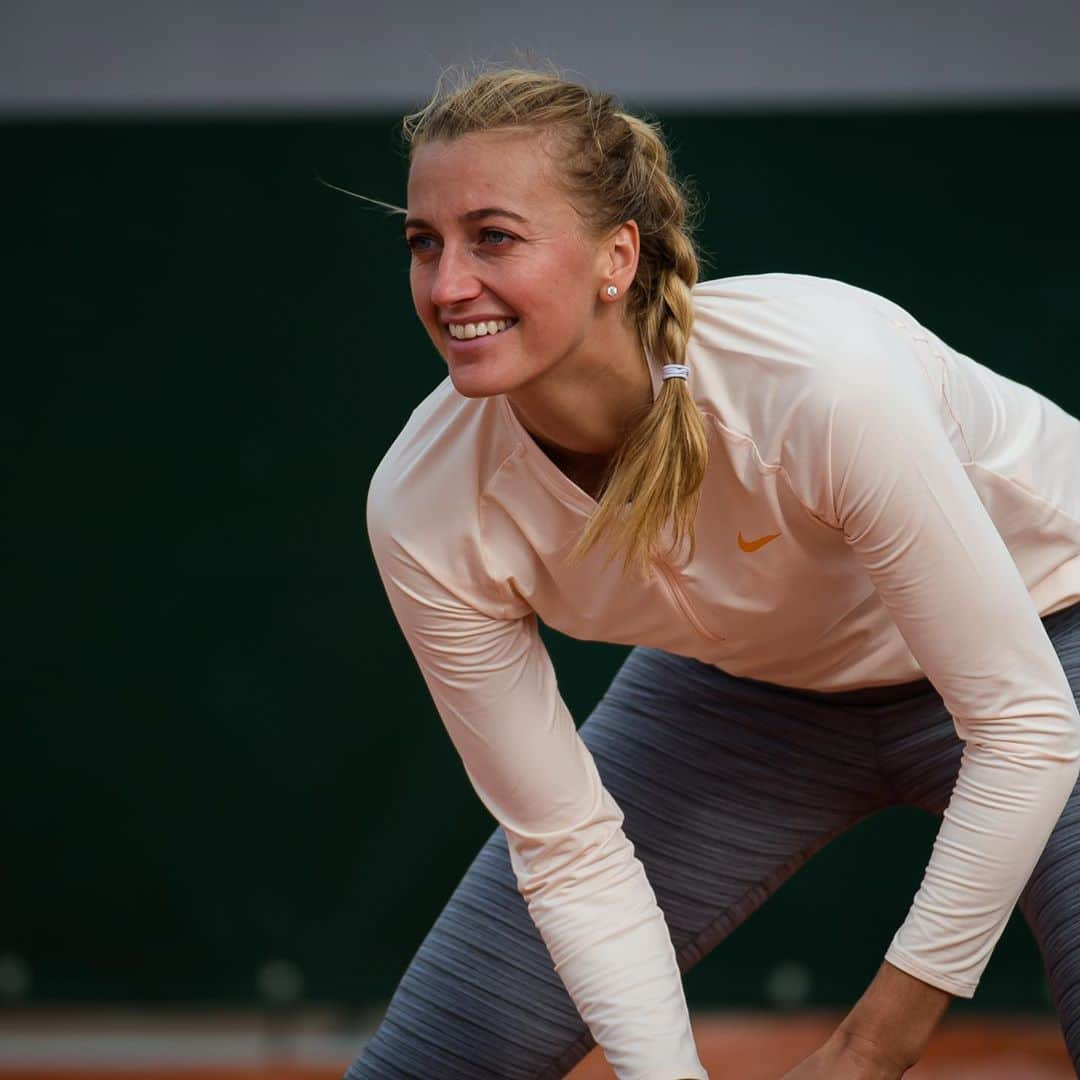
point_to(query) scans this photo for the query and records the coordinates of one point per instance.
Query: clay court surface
(319, 1044)
(749, 1048)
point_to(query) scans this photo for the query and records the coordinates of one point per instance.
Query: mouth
(477, 333)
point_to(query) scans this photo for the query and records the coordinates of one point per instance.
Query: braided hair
(615, 167)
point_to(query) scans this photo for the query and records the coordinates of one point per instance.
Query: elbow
(1050, 734)
(1069, 750)
(1066, 742)
(1067, 758)
(1061, 756)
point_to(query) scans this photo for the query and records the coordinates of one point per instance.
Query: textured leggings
(728, 786)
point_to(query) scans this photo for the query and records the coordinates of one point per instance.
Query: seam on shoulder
(949, 405)
(956, 421)
(920, 335)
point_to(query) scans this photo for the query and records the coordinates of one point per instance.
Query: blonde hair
(615, 167)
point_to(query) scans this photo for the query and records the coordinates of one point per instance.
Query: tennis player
(847, 555)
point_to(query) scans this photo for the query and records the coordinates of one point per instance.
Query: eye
(421, 243)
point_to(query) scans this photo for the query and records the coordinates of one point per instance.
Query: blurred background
(230, 812)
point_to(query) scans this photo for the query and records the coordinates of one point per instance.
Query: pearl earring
(612, 290)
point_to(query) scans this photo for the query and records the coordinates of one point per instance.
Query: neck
(581, 410)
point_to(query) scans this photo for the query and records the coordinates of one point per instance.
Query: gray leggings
(728, 786)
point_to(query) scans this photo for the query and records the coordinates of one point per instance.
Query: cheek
(566, 303)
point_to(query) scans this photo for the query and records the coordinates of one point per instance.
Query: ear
(620, 256)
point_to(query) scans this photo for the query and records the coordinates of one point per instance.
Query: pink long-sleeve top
(926, 512)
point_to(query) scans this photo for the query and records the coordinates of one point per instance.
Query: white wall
(122, 55)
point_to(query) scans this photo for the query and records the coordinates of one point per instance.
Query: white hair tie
(675, 371)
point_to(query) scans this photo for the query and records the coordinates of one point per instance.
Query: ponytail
(616, 168)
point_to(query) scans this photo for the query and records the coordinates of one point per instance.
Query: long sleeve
(873, 458)
(492, 682)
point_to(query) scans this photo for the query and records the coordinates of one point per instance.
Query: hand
(843, 1058)
(883, 1035)
(894, 1018)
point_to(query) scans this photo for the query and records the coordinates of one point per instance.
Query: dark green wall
(218, 750)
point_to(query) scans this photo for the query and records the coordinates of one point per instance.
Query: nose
(454, 281)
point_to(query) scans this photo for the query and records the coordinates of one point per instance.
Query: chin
(481, 380)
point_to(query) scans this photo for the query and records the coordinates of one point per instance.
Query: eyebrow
(472, 215)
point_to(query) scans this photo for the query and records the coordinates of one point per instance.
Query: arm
(893, 484)
(493, 685)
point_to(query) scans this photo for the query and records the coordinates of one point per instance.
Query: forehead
(491, 168)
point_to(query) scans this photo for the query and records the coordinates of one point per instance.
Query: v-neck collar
(553, 478)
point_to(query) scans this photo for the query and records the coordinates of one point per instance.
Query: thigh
(727, 787)
(479, 1000)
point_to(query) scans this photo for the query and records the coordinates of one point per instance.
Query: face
(493, 237)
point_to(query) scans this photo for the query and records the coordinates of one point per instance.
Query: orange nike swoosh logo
(753, 545)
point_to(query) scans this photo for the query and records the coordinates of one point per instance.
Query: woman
(831, 538)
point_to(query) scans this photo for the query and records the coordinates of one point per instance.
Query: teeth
(465, 331)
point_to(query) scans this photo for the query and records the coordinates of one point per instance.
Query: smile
(467, 331)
